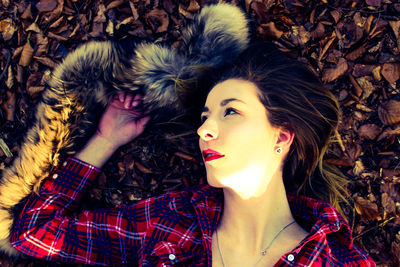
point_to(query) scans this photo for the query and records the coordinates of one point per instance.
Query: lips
(210, 154)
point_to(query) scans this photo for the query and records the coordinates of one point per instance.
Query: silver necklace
(263, 252)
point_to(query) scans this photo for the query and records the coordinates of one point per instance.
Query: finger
(136, 101)
(128, 101)
(121, 96)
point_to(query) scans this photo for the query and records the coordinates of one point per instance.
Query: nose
(207, 131)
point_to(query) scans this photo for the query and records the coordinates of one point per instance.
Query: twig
(3, 74)
(80, 23)
(374, 227)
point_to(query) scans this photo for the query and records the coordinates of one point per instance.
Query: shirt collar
(316, 216)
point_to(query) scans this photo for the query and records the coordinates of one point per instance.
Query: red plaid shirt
(171, 229)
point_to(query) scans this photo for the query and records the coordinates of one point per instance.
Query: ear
(285, 139)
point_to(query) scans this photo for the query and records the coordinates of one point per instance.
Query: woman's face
(235, 125)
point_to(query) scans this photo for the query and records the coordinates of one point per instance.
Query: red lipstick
(210, 154)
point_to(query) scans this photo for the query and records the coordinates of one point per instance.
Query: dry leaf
(299, 35)
(34, 27)
(366, 208)
(46, 5)
(389, 112)
(10, 78)
(357, 53)
(57, 37)
(357, 88)
(358, 168)
(46, 61)
(362, 70)
(27, 13)
(367, 87)
(269, 30)
(376, 72)
(389, 207)
(369, 131)
(335, 15)
(332, 74)
(114, 4)
(318, 32)
(57, 11)
(9, 105)
(34, 91)
(391, 72)
(376, 3)
(7, 29)
(26, 55)
(158, 20)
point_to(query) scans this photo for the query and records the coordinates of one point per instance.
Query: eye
(228, 110)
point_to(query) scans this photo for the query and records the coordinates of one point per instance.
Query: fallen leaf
(34, 91)
(57, 37)
(376, 3)
(376, 72)
(335, 15)
(358, 168)
(26, 55)
(389, 132)
(10, 78)
(7, 29)
(362, 69)
(332, 74)
(367, 87)
(114, 4)
(27, 13)
(55, 13)
(269, 30)
(357, 88)
(357, 53)
(46, 61)
(318, 32)
(392, 190)
(369, 131)
(389, 112)
(366, 208)
(299, 35)
(46, 5)
(9, 105)
(391, 72)
(34, 27)
(158, 20)
(389, 207)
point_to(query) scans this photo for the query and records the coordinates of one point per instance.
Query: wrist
(97, 151)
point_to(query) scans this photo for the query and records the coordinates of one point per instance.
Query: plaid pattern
(171, 229)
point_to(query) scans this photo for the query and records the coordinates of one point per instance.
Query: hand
(121, 121)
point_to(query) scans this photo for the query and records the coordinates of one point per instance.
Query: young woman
(266, 125)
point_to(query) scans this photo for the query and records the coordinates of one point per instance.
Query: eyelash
(203, 118)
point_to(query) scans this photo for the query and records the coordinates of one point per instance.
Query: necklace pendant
(263, 252)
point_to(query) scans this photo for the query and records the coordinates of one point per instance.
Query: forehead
(233, 88)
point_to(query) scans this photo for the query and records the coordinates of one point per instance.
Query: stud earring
(278, 150)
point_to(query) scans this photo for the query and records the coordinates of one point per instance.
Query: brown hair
(296, 99)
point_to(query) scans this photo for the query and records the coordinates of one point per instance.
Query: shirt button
(290, 257)
(55, 176)
(65, 163)
(171, 257)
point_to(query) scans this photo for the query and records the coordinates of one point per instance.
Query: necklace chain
(263, 252)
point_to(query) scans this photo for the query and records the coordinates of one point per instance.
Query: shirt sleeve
(49, 228)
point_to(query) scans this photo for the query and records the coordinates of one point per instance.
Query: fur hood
(85, 81)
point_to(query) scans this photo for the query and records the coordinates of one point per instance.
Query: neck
(255, 221)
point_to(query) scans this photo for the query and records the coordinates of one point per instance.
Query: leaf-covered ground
(354, 45)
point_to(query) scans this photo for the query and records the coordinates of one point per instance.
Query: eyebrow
(223, 103)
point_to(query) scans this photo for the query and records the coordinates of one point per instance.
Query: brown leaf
(26, 55)
(389, 207)
(366, 208)
(33, 91)
(369, 131)
(57, 11)
(9, 105)
(389, 112)
(158, 20)
(34, 79)
(34, 27)
(57, 37)
(389, 132)
(367, 87)
(376, 72)
(390, 172)
(142, 168)
(27, 13)
(17, 52)
(332, 74)
(392, 190)
(362, 70)
(335, 15)
(7, 29)
(193, 6)
(10, 78)
(391, 72)
(114, 4)
(318, 32)
(46, 61)
(376, 3)
(357, 88)
(269, 30)
(46, 5)
(357, 53)
(299, 35)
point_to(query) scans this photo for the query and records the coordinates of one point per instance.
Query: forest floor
(354, 46)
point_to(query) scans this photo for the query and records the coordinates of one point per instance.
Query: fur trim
(84, 82)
